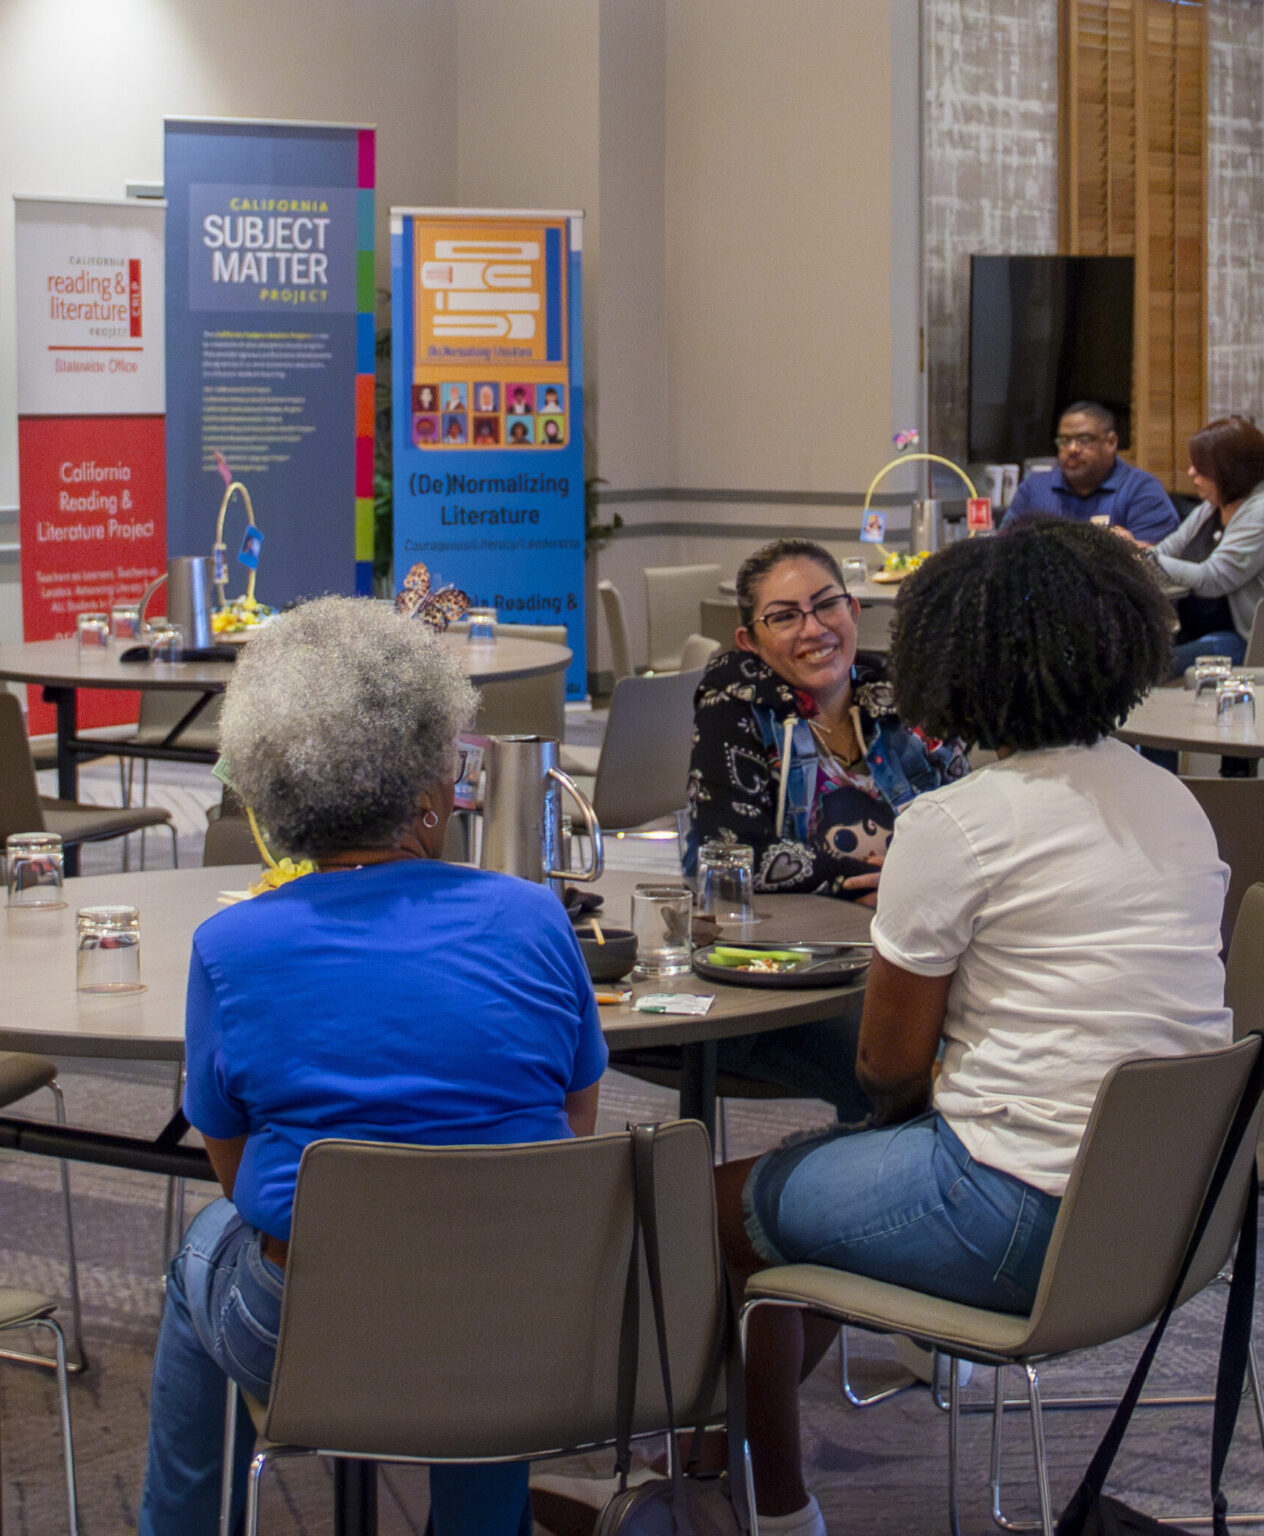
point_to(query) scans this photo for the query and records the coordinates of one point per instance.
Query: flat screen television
(1045, 331)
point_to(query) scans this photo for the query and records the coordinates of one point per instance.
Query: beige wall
(778, 242)
(527, 116)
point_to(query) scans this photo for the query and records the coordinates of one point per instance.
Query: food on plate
(764, 961)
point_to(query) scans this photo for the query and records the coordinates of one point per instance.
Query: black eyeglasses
(1080, 439)
(785, 620)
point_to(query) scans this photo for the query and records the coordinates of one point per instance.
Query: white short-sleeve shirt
(1076, 893)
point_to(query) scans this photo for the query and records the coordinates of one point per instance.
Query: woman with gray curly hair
(387, 997)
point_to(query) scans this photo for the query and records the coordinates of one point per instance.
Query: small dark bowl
(612, 960)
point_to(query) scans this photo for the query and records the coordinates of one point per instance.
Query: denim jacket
(828, 827)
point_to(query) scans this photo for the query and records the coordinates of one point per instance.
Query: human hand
(1124, 534)
(866, 883)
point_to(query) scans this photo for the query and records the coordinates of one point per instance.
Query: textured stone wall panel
(1235, 207)
(991, 172)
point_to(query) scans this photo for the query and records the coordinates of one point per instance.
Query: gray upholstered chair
(617, 626)
(1135, 1192)
(673, 598)
(469, 1260)
(643, 767)
(24, 809)
(28, 1309)
(699, 649)
(1235, 809)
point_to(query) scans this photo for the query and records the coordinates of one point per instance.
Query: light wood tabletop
(58, 664)
(44, 1012)
(1175, 719)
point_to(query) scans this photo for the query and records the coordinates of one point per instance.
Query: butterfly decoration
(437, 608)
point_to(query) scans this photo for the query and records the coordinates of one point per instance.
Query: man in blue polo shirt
(1091, 483)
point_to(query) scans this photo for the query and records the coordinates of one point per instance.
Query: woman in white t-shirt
(1039, 921)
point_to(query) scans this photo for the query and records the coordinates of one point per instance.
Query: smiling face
(1088, 454)
(815, 653)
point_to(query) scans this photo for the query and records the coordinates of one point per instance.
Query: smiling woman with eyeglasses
(797, 750)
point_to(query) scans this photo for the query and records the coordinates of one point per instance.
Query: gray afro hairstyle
(338, 716)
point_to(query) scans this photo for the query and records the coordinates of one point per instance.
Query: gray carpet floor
(881, 1470)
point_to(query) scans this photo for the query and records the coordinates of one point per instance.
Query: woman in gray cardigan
(1218, 551)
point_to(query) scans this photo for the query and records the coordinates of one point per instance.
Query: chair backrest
(229, 840)
(465, 1302)
(162, 708)
(20, 809)
(1244, 975)
(644, 766)
(617, 628)
(673, 597)
(527, 706)
(1143, 1167)
(718, 617)
(1235, 809)
(1255, 641)
(699, 649)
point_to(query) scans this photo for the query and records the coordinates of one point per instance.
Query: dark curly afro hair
(1044, 636)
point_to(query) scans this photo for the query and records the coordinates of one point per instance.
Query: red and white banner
(91, 465)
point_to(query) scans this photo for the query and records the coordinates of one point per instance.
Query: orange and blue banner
(488, 411)
(270, 355)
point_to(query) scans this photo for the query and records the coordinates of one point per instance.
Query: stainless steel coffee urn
(188, 582)
(522, 821)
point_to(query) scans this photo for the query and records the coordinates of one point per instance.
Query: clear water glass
(482, 626)
(35, 870)
(125, 623)
(854, 570)
(166, 642)
(1209, 673)
(109, 949)
(726, 882)
(93, 633)
(1235, 701)
(661, 919)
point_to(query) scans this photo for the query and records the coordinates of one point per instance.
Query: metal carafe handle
(592, 830)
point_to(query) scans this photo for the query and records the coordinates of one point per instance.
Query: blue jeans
(906, 1204)
(1221, 642)
(221, 1317)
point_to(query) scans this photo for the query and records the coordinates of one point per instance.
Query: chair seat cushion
(968, 1332)
(84, 823)
(22, 1073)
(23, 1307)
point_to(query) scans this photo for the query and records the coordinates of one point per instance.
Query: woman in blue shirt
(388, 996)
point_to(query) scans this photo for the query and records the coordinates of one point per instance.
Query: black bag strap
(1234, 1339)
(643, 1137)
(629, 1355)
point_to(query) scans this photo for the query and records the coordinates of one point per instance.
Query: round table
(1171, 718)
(45, 1013)
(58, 666)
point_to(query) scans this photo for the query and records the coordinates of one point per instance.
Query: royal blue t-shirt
(409, 1002)
(1132, 498)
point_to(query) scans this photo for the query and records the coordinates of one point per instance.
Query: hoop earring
(429, 819)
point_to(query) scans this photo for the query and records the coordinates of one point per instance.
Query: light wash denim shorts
(906, 1204)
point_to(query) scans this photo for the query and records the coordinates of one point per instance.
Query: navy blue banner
(488, 412)
(269, 309)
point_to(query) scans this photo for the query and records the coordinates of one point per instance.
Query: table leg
(355, 1497)
(697, 1083)
(64, 700)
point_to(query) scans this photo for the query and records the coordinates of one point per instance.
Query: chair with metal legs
(470, 1259)
(1150, 1147)
(22, 1074)
(28, 1309)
